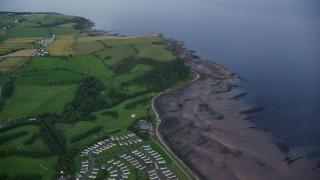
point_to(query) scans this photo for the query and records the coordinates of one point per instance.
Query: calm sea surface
(274, 44)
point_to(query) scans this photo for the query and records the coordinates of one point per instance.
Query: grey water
(273, 44)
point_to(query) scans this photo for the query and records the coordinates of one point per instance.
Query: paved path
(159, 121)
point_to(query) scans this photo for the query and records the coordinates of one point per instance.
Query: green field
(156, 52)
(56, 77)
(147, 46)
(88, 47)
(51, 63)
(29, 33)
(18, 143)
(43, 99)
(114, 55)
(124, 120)
(16, 165)
(64, 31)
(141, 68)
(88, 88)
(93, 65)
(47, 19)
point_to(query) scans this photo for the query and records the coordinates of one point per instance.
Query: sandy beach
(205, 124)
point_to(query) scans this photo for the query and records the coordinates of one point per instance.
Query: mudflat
(205, 124)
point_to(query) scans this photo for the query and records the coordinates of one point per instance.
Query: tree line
(8, 87)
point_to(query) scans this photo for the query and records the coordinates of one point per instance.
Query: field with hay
(62, 46)
(10, 63)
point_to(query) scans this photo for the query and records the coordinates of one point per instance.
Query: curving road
(158, 135)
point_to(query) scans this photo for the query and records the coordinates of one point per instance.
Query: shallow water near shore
(273, 44)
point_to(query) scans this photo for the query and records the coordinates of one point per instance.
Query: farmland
(86, 89)
(44, 99)
(9, 63)
(63, 45)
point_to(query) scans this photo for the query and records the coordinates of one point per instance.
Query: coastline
(218, 141)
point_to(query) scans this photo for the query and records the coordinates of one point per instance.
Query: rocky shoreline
(205, 125)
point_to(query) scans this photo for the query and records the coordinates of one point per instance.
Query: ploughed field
(78, 91)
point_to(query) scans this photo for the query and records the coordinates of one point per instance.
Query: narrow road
(158, 135)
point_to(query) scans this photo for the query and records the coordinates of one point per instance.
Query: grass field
(67, 25)
(15, 165)
(62, 45)
(12, 44)
(43, 99)
(88, 47)
(27, 24)
(117, 80)
(124, 120)
(17, 144)
(64, 31)
(74, 129)
(10, 63)
(51, 63)
(29, 33)
(156, 52)
(151, 46)
(3, 32)
(141, 68)
(4, 78)
(49, 78)
(114, 55)
(93, 64)
(117, 41)
(46, 19)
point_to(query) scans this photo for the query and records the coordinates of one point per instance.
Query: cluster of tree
(165, 76)
(82, 23)
(126, 65)
(85, 134)
(87, 99)
(56, 142)
(8, 87)
(2, 103)
(113, 114)
(6, 138)
(65, 164)
(53, 138)
(136, 103)
(3, 176)
(32, 139)
(34, 154)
